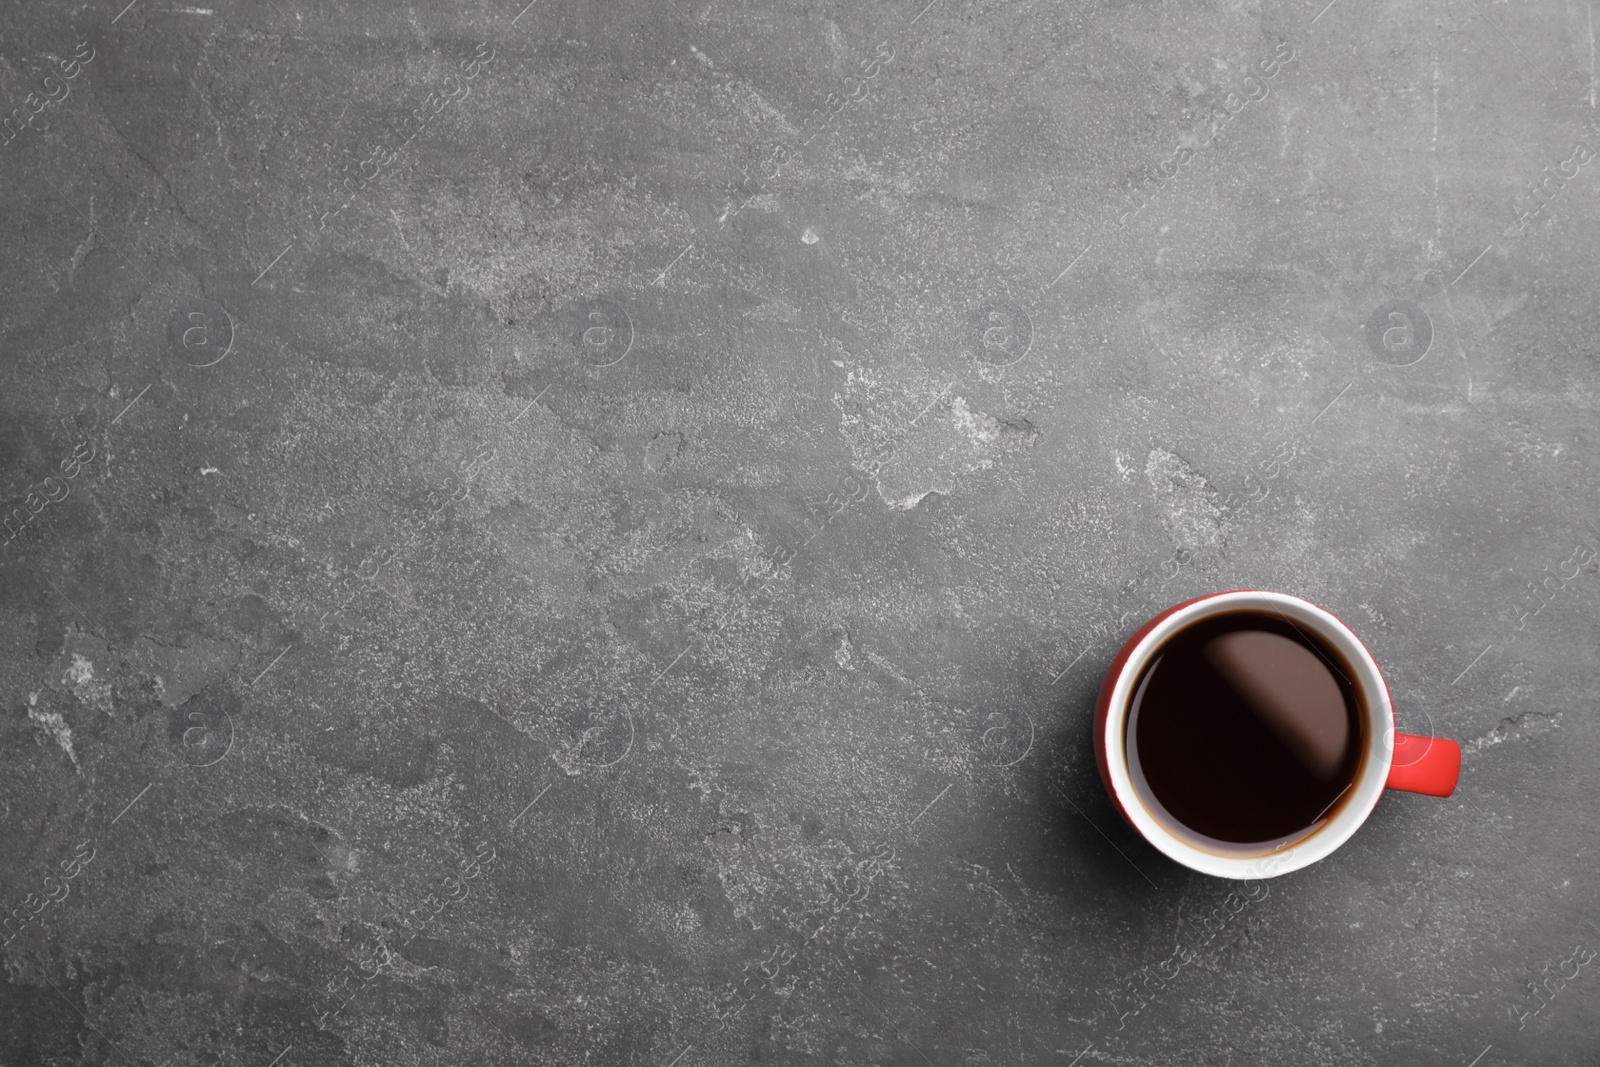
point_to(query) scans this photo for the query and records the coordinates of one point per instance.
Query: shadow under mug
(1391, 760)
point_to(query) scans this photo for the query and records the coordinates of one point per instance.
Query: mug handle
(1428, 765)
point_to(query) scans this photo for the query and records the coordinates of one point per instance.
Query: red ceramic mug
(1390, 760)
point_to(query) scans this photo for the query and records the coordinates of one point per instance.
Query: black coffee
(1246, 729)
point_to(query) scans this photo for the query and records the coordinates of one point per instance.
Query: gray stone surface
(589, 533)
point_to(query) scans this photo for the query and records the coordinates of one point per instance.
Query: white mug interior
(1305, 847)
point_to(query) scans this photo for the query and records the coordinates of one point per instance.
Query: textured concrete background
(588, 533)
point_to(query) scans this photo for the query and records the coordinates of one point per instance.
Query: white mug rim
(1351, 813)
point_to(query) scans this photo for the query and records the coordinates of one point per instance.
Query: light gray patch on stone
(1190, 511)
(663, 449)
(54, 726)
